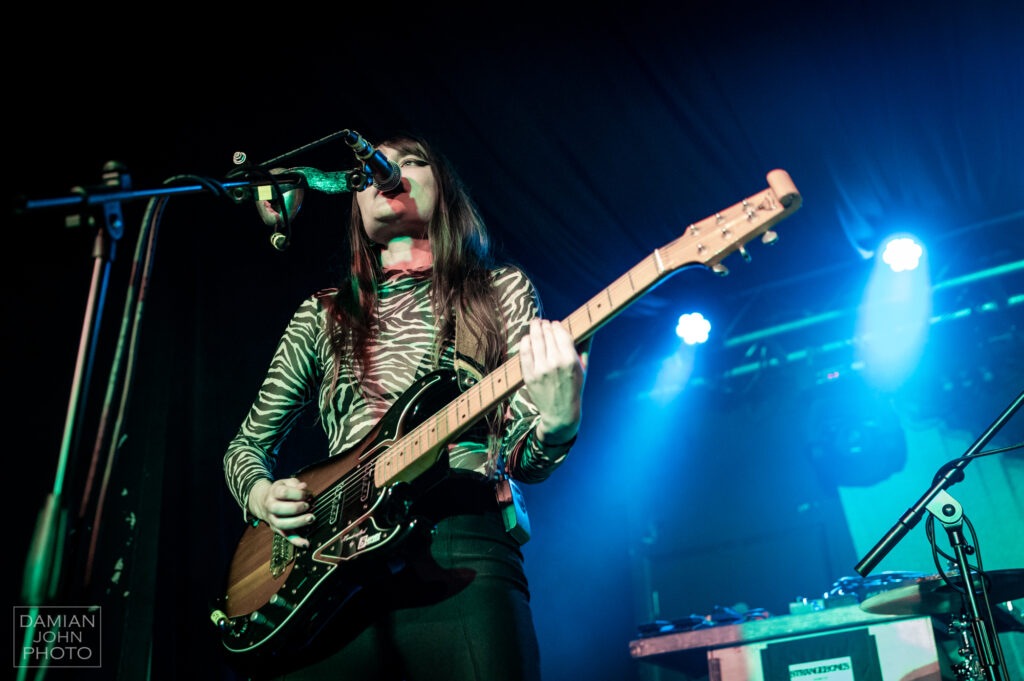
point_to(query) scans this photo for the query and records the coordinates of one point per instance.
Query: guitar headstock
(710, 240)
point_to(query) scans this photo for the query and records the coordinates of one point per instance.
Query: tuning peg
(769, 237)
(720, 269)
(745, 254)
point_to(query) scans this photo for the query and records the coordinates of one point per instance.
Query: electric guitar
(279, 597)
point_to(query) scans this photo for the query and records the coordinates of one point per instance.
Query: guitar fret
(443, 427)
(657, 260)
(452, 418)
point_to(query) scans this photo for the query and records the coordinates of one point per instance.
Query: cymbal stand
(984, 656)
(969, 668)
(948, 511)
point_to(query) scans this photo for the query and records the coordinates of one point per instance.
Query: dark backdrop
(589, 137)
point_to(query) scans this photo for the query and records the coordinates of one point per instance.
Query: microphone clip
(381, 172)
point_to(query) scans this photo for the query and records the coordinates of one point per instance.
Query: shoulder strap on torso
(469, 362)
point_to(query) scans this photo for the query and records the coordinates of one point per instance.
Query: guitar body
(279, 595)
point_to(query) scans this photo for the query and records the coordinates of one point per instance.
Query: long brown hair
(461, 275)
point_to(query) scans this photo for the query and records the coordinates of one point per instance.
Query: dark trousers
(458, 611)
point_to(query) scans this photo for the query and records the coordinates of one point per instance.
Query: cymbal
(933, 595)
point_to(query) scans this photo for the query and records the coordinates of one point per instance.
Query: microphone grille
(393, 180)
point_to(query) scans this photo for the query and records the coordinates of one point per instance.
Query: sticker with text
(836, 669)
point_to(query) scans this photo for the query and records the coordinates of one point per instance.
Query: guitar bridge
(281, 553)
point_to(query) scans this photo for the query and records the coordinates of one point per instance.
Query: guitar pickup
(281, 554)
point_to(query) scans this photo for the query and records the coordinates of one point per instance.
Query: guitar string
(337, 496)
(724, 221)
(326, 502)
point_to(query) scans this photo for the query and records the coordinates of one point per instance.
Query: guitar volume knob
(281, 602)
(258, 617)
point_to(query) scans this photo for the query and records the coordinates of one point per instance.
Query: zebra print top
(302, 365)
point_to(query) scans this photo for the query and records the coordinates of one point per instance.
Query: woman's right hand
(284, 505)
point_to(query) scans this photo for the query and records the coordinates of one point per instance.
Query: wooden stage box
(838, 644)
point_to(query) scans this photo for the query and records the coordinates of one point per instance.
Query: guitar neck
(705, 243)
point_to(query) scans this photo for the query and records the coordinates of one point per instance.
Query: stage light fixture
(693, 328)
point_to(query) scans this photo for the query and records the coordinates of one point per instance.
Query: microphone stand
(42, 572)
(948, 511)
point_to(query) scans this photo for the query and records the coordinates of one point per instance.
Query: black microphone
(386, 174)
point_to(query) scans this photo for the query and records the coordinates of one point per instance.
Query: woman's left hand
(554, 372)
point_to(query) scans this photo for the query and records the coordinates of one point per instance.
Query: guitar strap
(470, 368)
(469, 361)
